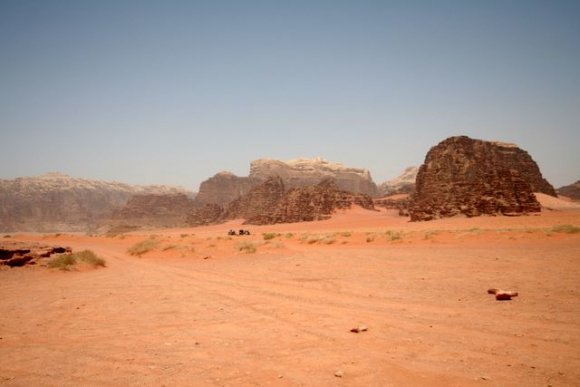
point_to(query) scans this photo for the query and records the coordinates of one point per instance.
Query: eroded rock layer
(474, 177)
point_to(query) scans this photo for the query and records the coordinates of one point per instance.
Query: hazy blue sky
(171, 92)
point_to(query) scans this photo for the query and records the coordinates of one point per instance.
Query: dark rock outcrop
(571, 191)
(16, 254)
(474, 177)
(270, 203)
(202, 215)
(306, 204)
(399, 202)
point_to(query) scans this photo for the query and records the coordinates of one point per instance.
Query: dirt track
(282, 316)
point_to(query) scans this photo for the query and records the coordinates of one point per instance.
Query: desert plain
(276, 308)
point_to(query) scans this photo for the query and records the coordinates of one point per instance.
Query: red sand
(198, 311)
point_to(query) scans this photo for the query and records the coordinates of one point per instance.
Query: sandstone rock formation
(260, 202)
(209, 213)
(154, 210)
(55, 202)
(474, 177)
(399, 202)
(317, 202)
(307, 172)
(270, 203)
(571, 191)
(402, 184)
(225, 187)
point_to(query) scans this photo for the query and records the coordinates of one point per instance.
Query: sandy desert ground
(201, 308)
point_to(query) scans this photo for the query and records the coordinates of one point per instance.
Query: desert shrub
(7, 236)
(183, 235)
(62, 262)
(288, 235)
(89, 257)
(169, 247)
(430, 234)
(566, 228)
(345, 234)
(328, 240)
(247, 247)
(393, 235)
(68, 261)
(268, 235)
(143, 247)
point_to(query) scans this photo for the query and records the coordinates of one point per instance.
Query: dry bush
(143, 247)
(247, 247)
(566, 228)
(68, 261)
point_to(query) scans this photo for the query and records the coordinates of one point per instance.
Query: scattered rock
(502, 295)
(339, 373)
(360, 328)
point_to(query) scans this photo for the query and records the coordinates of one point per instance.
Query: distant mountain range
(55, 202)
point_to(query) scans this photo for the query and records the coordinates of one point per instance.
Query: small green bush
(268, 235)
(143, 247)
(566, 228)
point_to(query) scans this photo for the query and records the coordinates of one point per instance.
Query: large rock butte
(224, 187)
(461, 175)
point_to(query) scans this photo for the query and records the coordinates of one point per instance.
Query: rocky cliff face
(473, 177)
(57, 202)
(316, 202)
(571, 191)
(308, 172)
(402, 184)
(154, 210)
(270, 203)
(225, 187)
